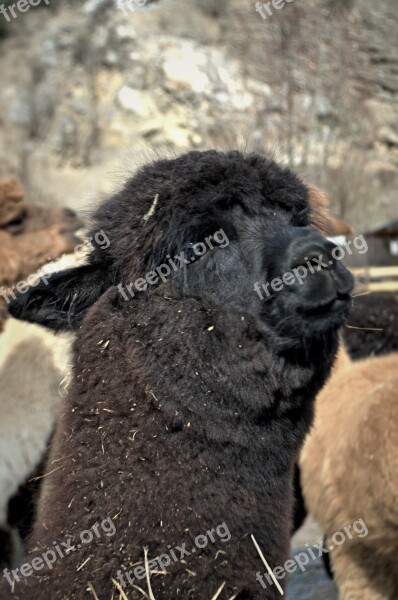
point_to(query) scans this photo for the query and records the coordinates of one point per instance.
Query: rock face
(85, 81)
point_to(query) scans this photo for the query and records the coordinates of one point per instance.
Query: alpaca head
(215, 226)
(17, 218)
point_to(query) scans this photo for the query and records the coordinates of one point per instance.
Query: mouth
(334, 306)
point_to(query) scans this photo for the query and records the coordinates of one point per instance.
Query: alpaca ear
(320, 215)
(321, 218)
(61, 300)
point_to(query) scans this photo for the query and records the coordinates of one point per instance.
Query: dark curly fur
(190, 401)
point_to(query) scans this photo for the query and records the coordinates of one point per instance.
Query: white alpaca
(34, 374)
(33, 363)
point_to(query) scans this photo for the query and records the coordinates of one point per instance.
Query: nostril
(310, 255)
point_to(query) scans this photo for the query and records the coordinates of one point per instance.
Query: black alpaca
(192, 397)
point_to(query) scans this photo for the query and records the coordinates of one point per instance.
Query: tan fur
(22, 255)
(340, 227)
(323, 220)
(11, 200)
(29, 235)
(320, 211)
(349, 471)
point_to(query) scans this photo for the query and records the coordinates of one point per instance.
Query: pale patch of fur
(34, 368)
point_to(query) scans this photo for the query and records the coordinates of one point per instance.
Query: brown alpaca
(349, 471)
(30, 235)
(191, 397)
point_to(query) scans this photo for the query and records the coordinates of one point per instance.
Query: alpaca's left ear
(320, 216)
(61, 300)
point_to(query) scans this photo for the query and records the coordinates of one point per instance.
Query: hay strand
(261, 555)
(218, 592)
(119, 589)
(148, 575)
(90, 587)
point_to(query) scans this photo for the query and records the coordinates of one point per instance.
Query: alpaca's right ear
(61, 300)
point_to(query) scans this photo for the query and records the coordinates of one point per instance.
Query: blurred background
(88, 86)
(91, 88)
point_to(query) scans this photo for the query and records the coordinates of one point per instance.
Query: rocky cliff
(88, 88)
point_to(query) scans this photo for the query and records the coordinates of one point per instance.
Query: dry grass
(261, 555)
(91, 589)
(218, 592)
